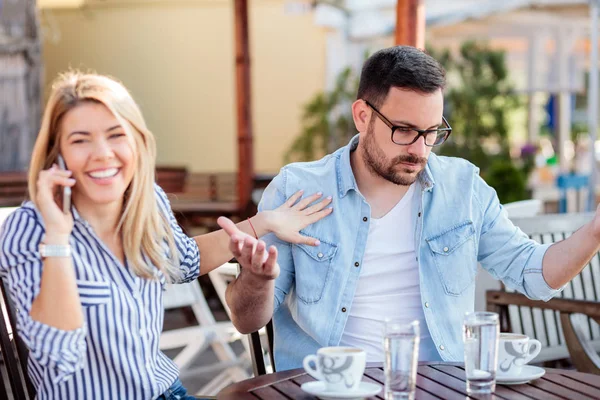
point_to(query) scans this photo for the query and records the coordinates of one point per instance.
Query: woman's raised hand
(295, 214)
(49, 200)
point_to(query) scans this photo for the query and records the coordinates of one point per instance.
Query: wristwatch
(55, 250)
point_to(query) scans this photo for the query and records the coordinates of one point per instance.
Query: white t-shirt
(388, 286)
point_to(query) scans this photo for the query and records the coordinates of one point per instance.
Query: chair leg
(582, 355)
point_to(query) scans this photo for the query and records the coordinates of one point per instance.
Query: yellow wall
(177, 58)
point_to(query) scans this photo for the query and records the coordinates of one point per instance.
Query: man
(405, 237)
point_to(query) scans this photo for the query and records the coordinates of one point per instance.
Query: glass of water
(401, 347)
(481, 332)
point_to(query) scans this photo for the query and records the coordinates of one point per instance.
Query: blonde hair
(142, 225)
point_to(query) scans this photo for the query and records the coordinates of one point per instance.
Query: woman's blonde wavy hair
(142, 225)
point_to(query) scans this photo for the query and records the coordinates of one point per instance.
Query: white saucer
(317, 388)
(528, 373)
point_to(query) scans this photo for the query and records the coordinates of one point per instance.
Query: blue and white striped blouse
(115, 355)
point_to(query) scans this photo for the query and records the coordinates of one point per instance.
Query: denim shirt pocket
(93, 293)
(313, 268)
(453, 252)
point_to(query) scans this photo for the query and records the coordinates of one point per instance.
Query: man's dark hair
(403, 67)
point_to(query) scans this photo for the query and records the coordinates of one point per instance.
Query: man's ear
(361, 115)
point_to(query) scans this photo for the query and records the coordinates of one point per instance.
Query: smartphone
(66, 198)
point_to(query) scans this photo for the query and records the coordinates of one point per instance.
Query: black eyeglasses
(404, 136)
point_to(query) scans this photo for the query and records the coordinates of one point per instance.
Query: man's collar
(347, 182)
(426, 177)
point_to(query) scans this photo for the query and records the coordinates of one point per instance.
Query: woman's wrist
(261, 223)
(56, 238)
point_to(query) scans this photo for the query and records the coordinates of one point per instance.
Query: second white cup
(514, 351)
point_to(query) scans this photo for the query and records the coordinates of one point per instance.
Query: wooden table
(434, 381)
(192, 212)
(11, 201)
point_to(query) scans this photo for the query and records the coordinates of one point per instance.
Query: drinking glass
(481, 332)
(401, 347)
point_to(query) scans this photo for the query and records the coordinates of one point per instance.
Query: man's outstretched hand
(251, 254)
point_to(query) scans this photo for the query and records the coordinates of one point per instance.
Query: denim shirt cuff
(536, 286)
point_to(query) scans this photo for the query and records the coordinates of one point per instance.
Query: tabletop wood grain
(434, 381)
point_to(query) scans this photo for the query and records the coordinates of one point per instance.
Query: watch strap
(55, 250)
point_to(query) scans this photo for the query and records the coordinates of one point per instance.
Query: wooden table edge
(263, 381)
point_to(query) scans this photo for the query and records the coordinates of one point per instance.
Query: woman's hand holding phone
(66, 197)
(49, 200)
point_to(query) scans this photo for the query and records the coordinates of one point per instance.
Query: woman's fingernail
(71, 180)
(319, 193)
(329, 197)
(301, 191)
(317, 242)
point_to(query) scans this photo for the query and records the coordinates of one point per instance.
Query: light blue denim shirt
(460, 222)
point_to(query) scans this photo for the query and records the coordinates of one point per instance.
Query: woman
(87, 284)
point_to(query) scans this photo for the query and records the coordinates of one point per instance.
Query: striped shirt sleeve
(63, 352)
(189, 255)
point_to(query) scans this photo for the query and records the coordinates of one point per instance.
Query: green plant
(507, 179)
(480, 98)
(479, 102)
(326, 120)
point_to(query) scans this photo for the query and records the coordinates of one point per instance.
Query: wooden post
(410, 23)
(564, 44)
(245, 170)
(534, 54)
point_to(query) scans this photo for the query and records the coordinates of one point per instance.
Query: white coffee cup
(514, 351)
(340, 368)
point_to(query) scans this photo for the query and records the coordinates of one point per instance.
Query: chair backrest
(14, 352)
(171, 179)
(5, 212)
(181, 295)
(523, 208)
(545, 325)
(258, 352)
(220, 278)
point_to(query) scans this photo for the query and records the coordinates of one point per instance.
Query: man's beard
(378, 165)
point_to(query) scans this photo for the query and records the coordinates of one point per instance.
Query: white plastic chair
(220, 278)
(5, 212)
(524, 208)
(197, 339)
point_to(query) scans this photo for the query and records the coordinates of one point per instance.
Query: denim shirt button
(356, 264)
(426, 305)
(442, 347)
(320, 255)
(343, 309)
(365, 219)
(445, 249)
